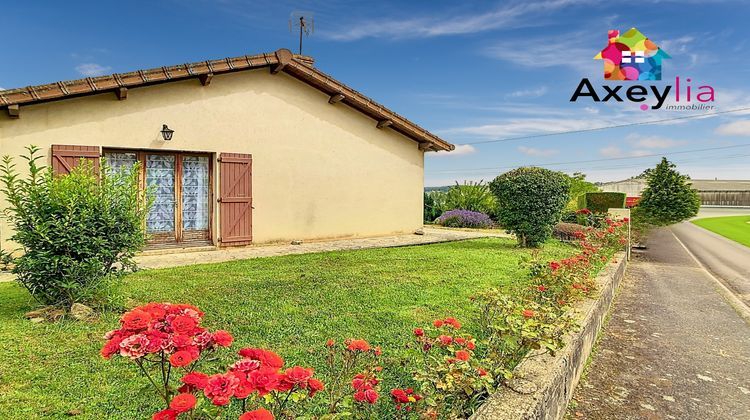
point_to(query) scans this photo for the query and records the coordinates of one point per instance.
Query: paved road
(725, 259)
(673, 348)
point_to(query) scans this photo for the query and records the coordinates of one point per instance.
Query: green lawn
(736, 228)
(291, 304)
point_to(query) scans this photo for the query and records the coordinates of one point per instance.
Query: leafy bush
(530, 202)
(601, 202)
(473, 196)
(433, 205)
(77, 232)
(668, 197)
(464, 219)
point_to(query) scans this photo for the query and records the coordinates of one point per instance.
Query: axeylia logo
(634, 57)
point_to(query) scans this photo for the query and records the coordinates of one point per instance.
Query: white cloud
(546, 52)
(735, 128)
(528, 93)
(461, 149)
(503, 17)
(615, 152)
(92, 69)
(532, 151)
(653, 142)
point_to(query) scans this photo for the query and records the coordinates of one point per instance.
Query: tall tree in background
(578, 186)
(668, 197)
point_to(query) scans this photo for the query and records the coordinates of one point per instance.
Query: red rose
(462, 355)
(470, 345)
(264, 380)
(528, 313)
(554, 265)
(267, 358)
(452, 322)
(182, 403)
(438, 323)
(223, 338)
(378, 351)
(220, 387)
(460, 341)
(445, 340)
(358, 345)
(259, 414)
(181, 358)
(541, 288)
(135, 320)
(418, 332)
(371, 396)
(196, 380)
(315, 385)
(167, 414)
(330, 342)
(183, 324)
(399, 396)
(111, 348)
(481, 372)
(243, 389)
(298, 376)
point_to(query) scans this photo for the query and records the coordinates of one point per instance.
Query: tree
(530, 202)
(578, 186)
(668, 197)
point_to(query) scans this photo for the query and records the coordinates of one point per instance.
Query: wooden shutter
(236, 199)
(66, 157)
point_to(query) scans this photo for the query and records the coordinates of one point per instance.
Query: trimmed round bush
(530, 202)
(464, 219)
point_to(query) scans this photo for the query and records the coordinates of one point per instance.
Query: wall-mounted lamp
(166, 132)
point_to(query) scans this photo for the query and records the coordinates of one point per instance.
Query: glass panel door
(195, 190)
(160, 177)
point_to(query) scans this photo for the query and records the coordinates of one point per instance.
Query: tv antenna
(304, 23)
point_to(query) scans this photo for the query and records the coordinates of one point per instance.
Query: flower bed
(452, 381)
(371, 296)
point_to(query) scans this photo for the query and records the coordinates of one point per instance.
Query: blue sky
(470, 72)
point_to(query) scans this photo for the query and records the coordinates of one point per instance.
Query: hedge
(601, 202)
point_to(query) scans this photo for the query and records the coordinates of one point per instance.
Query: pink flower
(134, 346)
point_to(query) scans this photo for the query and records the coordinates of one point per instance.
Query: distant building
(713, 192)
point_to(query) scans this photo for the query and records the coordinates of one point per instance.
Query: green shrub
(668, 197)
(530, 202)
(601, 202)
(77, 232)
(432, 208)
(472, 196)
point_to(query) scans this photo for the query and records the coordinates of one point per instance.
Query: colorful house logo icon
(631, 56)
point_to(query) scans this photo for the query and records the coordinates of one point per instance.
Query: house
(631, 56)
(249, 149)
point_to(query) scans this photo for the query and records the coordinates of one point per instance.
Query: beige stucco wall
(319, 170)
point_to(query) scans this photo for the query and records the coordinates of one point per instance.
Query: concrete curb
(552, 380)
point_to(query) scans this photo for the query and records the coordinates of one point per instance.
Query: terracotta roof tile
(281, 60)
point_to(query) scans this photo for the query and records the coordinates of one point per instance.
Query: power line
(607, 127)
(594, 160)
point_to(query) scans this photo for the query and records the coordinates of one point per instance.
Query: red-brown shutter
(236, 199)
(66, 157)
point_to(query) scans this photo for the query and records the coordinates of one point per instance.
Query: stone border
(543, 385)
